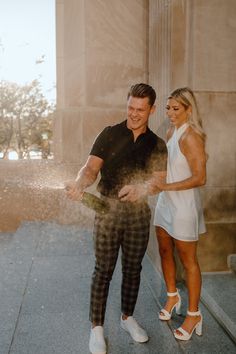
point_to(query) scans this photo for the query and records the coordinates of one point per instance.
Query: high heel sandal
(198, 328)
(165, 315)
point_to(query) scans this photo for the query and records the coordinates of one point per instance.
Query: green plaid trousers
(126, 226)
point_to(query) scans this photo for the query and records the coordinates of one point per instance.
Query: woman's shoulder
(191, 139)
(191, 134)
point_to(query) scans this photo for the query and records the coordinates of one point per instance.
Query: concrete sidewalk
(44, 291)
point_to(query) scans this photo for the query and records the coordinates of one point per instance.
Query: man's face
(138, 111)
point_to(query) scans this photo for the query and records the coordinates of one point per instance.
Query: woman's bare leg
(166, 250)
(188, 255)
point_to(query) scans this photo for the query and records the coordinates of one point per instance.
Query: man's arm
(87, 175)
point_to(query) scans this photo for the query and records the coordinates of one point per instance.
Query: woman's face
(176, 112)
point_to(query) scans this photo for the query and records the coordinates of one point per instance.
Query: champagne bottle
(93, 202)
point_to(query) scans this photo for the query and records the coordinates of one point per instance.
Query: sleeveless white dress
(179, 212)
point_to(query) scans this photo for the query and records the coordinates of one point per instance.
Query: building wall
(101, 50)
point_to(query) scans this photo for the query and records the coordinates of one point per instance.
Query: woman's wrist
(146, 188)
(166, 187)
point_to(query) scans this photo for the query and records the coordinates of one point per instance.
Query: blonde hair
(186, 97)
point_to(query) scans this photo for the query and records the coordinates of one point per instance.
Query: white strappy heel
(165, 315)
(198, 328)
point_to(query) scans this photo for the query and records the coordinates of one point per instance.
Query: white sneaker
(97, 344)
(132, 327)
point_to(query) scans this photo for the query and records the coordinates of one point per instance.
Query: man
(124, 153)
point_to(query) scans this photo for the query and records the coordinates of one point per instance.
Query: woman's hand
(132, 192)
(158, 181)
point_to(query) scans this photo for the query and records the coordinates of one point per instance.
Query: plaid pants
(125, 226)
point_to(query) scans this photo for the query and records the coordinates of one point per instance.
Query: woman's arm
(193, 148)
(135, 192)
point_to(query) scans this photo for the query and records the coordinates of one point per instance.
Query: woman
(178, 214)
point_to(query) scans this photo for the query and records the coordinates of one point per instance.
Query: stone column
(101, 51)
(160, 58)
(159, 77)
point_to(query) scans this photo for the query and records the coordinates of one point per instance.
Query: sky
(27, 43)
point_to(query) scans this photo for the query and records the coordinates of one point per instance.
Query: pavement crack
(24, 293)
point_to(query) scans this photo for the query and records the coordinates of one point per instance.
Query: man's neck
(137, 132)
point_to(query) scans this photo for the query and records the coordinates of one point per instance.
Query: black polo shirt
(125, 160)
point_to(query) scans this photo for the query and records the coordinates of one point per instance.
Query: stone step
(231, 261)
(218, 295)
(223, 334)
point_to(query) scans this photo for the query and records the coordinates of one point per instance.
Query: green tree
(25, 119)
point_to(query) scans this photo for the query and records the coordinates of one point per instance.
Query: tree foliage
(26, 119)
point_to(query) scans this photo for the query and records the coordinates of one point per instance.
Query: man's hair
(142, 91)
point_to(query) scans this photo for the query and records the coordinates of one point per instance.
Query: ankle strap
(173, 294)
(197, 313)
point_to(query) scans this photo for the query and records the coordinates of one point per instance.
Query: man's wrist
(79, 185)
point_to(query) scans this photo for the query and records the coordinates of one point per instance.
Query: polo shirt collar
(128, 131)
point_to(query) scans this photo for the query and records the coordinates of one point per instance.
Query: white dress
(179, 212)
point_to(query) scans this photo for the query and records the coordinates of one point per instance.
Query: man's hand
(132, 192)
(73, 192)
